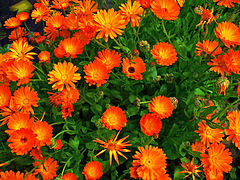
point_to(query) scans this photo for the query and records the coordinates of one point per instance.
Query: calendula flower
(162, 106)
(229, 33)
(114, 118)
(36, 153)
(109, 23)
(44, 56)
(85, 7)
(222, 84)
(23, 16)
(69, 176)
(96, 73)
(208, 47)
(59, 144)
(217, 159)
(47, 169)
(226, 3)
(151, 124)
(190, 169)
(10, 175)
(40, 13)
(67, 109)
(164, 53)
(22, 141)
(114, 147)
(219, 65)
(93, 170)
(149, 163)
(108, 58)
(60, 4)
(232, 61)
(145, 3)
(63, 74)
(165, 9)
(12, 22)
(25, 98)
(131, 12)
(5, 95)
(70, 95)
(198, 146)
(134, 68)
(17, 33)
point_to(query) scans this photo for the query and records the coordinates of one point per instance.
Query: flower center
(111, 146)
(23, 139)
(26, 101)
(131, 69)
(64, 77)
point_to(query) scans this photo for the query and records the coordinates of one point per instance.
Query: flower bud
(169, 78)
(174, 102)
(222, 85)
(157, 79)
(144, 46)
(134, 53)
(99, 124)
(137, 102)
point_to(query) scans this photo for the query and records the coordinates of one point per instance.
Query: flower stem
(144, 102)
(165, 32)
(65, 165)
(62, 133)
(96, 41)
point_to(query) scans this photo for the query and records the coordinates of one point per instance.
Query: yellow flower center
(26, 101)
(111, 146)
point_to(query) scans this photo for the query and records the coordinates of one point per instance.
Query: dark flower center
(131, 69)
(23, 139)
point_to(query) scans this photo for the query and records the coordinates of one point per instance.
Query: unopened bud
(169, 78)
(144, 46)
(53, 143)
(222, 85)
(107, 106)
(135, 53)
(137, 102)
(100, 93)
(157, 79)
(151, 64)
(99, 124)
(174, 102)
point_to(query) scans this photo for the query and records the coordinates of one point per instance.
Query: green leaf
(74, 142)
(96, 108)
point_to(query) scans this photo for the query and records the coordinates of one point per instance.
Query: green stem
(152, 138)
(56, 123)
(62, 133)
(144, 102)
(106, 4)
(120, 45)
(116, 76)
(40, 70)
(65, 165)
(29, 30)
(96, 41)
(165, 32)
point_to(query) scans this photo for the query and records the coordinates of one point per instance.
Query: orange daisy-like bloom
(85, 7)
(44, 56)
(18, 33)
(40, 13)
(67, 109)
(23, 16)
(190, 168)
(109, 23)
(114, 147)
(134, 68)
(60, 4)
(20, 70)
(5, 95)
(25, 98)
(22, 141)
(219, 64)
(69, 47)
(198, 146)
(12, 22)
(70, 95)
(47, 169)
(217, 160)
(151, 124)
(208, 47)
(222, 84)
(232, 61)
(209, 135)
(63, 74)
(131, 12)
(229, 33)
(20, 50)
(59, 144)
(233, 130)
(108, 58)
(114, 118)
(162, 106)
(164, 53)
(226, 3)
(10, 175)
(149, 163)
(96, 73)
(93, 170)
(165, 9)
(145, 3)
(69, 176)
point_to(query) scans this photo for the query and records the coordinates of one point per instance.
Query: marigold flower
(229, 33)
(93, 170)
(162, 106)
(131, 12)
(190, 168)
(208, 47)
(63, 74)
(44, 56)
(10, 175)
(145, 3)
(70, 95)
(151, 124)
(60, 4)
(96, 73)
(109, 23)
(17, 34)
(69, 176)
(232, 61)
(164, 53)
(114, 147)
(226, 3)
(219, 64)
(36, 153)
(5, 95)
(67, 109)
(25, 98)
(85, 7)
(12, 22)
(108, 58)
(59, 144)
(165, 9)
(8, 111)
(40, 13)
(47, 169)
(23, 16)
(149, 163)
(198, 146)
(217, 160)
(134, 68)
(114, 118)
(22, 141)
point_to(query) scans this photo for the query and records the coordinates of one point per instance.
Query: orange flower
(44, 56)
(108, 58)
(145, 3)
(59, 144)
(219, 64)
(93, 170)
(114, 118)
(232, 61)
(151, 124)
(131, 12)
(222, 84)
(20, 70)
(5, 95)
(63, 74)
(217, 160)
(60, 4)
(20, 50)
(114, 147)
(24, 98)
(69, 176)
(162, 106)
(69, 47)
(86, 7)
(36, 154)
(226, 3)
(198, 146)
(208, 47)
(23, 16)
(134, 69)
(96, 73)
(17, 34)
(164, 53)
(10, 175)
(70, 95)
(12, 22)
(67, 109)
(149, 163)
(22, 141)
(165, 9)
(47, 169)
(229, 33)
(109, 23)
(40, 13)
(209, 135)
(190, 168)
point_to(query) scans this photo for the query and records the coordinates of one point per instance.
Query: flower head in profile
(232, 61)
(5, 95)
(208, 47)
(145, 3)
(86, 7)
(226, 3)
(40, 13)
(198, 146)
(69, 176)
(23, 16)
(151, 124)
(190, 169)
(18, 33)
(10, 175)
(44, 56)
(114, 147)
(12, 22)
(93, 170)
(63, 75)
